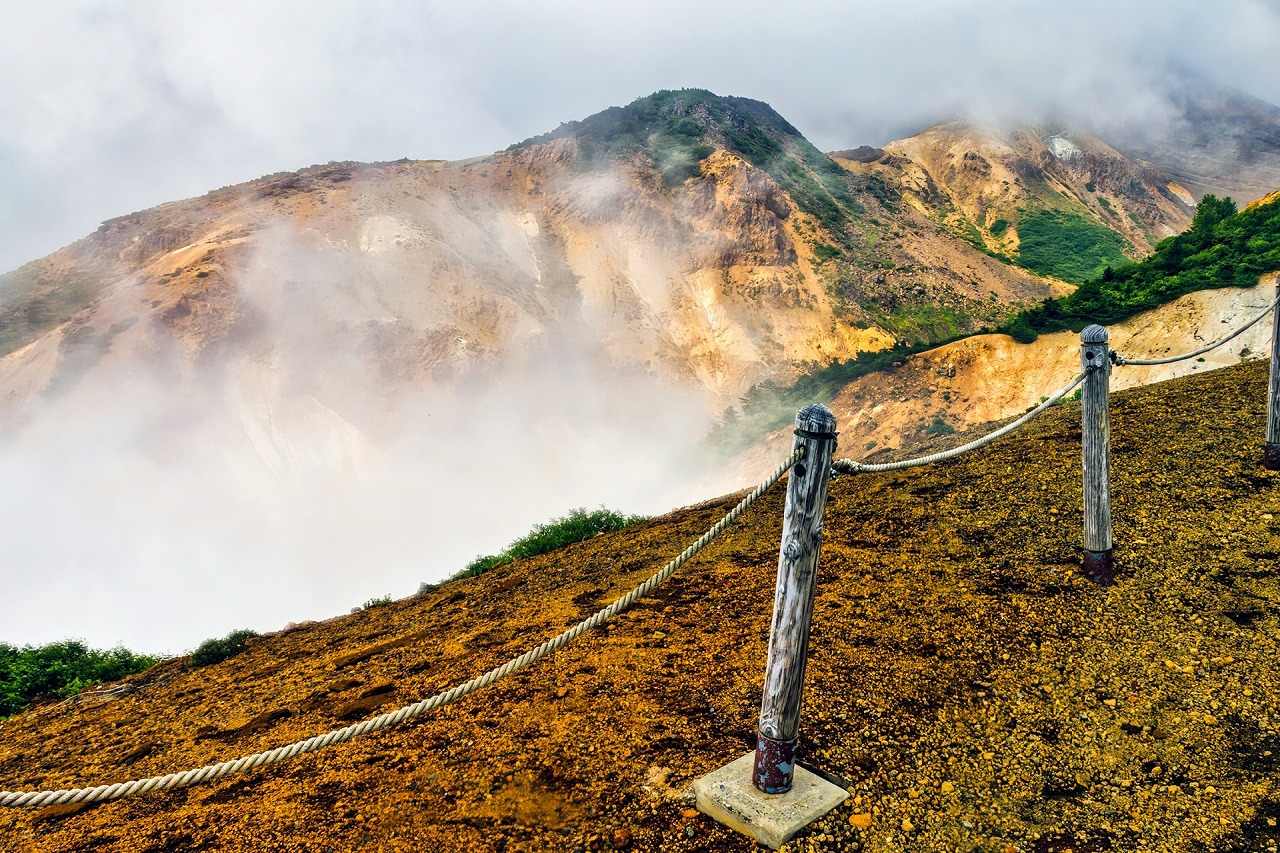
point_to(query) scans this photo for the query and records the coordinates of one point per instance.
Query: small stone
(907, 825)
(621, 839)
(947, 788)
(1110, 703)
(861, 821)
(689, 814)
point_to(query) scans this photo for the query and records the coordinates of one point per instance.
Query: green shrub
(825, 252)
(939, 427)
(376, 602)
(579, 525)
(213, 651)
(1000, 226)
(58, 670)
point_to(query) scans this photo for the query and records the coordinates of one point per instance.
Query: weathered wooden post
(793, 600)
(1271, 450)
(1095, 358)
(764, 794)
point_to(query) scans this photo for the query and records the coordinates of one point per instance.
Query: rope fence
(211, 772)
(772, 765)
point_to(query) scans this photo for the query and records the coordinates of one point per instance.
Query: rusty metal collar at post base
(775, 764)
(1097, 567)
(1271, 456)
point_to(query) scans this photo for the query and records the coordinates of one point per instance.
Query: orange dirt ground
(965, 684)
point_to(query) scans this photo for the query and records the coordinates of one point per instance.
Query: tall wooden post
(1271, 450)
(793, 601)
(1095, 357)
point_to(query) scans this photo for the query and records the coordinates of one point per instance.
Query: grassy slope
(953, 643)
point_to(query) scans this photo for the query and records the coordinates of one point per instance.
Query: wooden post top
(817, 420)
(1094, 334)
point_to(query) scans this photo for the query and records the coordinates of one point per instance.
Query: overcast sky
(111, 107)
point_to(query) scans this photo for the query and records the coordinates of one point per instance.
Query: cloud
(110, 107)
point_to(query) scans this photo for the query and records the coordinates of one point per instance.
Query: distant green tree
(1211, 212)
(58, 670)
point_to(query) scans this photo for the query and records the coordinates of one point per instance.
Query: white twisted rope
(211, 772)
(851, 466)
(1119, 359)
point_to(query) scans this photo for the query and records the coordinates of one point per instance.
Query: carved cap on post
(815, 421)
(1094, 334)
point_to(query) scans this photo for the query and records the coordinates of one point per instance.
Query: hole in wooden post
(800, 469)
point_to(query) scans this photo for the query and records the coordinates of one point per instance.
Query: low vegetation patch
(58, 670)
(212, 651)
(579, 525)
(1067, 246)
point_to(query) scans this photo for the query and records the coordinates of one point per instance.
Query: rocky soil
(965, 684)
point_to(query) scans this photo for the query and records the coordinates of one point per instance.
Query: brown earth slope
(969, 689)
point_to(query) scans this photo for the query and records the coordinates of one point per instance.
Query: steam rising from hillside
(297, 469)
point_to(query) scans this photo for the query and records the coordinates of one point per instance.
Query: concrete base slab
(728, 796)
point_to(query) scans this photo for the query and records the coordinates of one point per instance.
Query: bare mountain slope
(990, 187)
(714, 281)
(1214, 139)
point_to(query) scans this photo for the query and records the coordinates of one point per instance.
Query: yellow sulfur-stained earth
(966, 685)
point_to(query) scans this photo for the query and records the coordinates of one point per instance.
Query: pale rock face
(1062, 148)
(988, 378)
